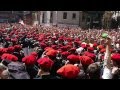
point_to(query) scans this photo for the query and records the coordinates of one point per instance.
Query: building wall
(69, 19)
(80, 20)
(28, 19)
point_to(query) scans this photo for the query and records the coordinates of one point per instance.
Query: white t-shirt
(91, 45)
(79, 50)
(117, 45)
(107, 73)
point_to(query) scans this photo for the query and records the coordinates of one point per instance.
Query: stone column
(47, 18)
(80, 18)
(55, 17)
(41, 17)
(35, 18)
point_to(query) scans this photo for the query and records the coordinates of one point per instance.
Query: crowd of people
(52, 52)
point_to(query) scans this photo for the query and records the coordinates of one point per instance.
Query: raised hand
(108, 40)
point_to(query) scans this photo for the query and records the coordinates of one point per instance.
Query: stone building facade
(70, 18)
(84, 19)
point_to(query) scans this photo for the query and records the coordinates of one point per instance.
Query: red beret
(77, 39)
(83, 45)
(85, 60)
(7, 38)
(73, 49)
(91, 49)
(116, 57)
(48, 49)
(17, 47)
(40, 39)
(100, 46)
(36, 38)
(73, 58)
(45, 62)
(51, 53)
(5, 50)
(4, 56)
(46, 39)
(68, 46)
(29, 60)
(10, 49)
(34, 54)
(60, 45)
(14, 40)
(13, 58)
(1, 51)
(91, 55)
(28, 36)
(69, 71)
(54, 46)
(65, 54)
(60, 39)
(48, 34)
(54, 38)
(43, 45)
(9, 57)
(87, 45)
(16, 33)
(70, 43)
(63, 48)
(95, 45)
(69, 39)
(103, 50)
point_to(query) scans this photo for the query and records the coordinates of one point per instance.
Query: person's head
(116, 73)
(5, 74)
(68, 71)
(93, 71)
(118, 51)
(45, 64)
(2, 68)
(90, 49)
(17, 70)
(17, 48)
(115, 59)
(73, 59)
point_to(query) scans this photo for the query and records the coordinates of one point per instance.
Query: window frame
(64, 15)
(73, 17)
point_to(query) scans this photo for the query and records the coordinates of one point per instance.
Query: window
(74, 16)
(88, 19)
(65, 15)
(51, 17)
(43, 18)
(83, 17)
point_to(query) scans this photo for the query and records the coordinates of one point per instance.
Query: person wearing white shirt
(107, 69)
(110, 68)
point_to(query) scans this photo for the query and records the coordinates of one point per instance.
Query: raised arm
(107, 57)
(107, 70)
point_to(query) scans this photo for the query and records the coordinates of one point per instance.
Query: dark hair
(93, 71)
(118, 50)
(45, 69)
(116, 75)
(116, 63)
